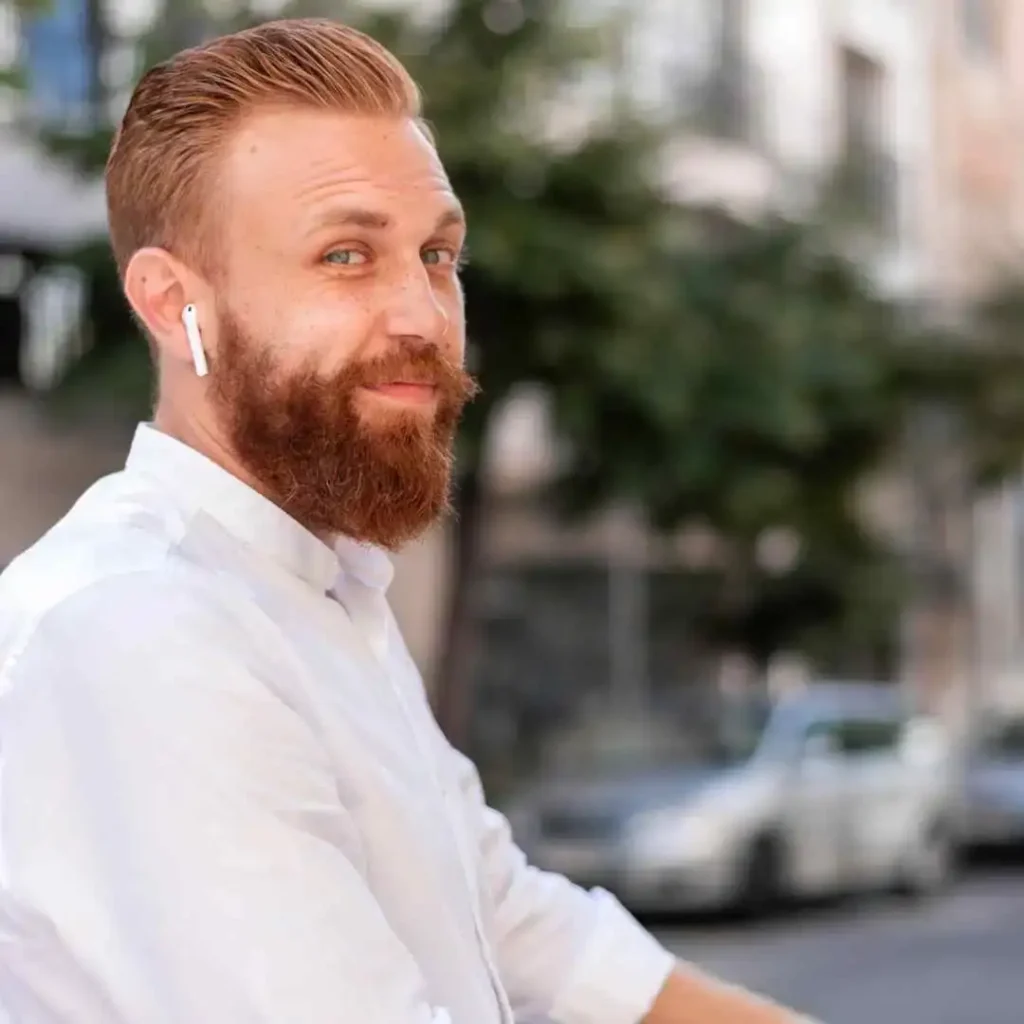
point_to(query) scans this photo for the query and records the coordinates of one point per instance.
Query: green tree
(772, 390)
(975, 371)
(774, 384)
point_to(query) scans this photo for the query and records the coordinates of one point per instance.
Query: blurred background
(732, 613)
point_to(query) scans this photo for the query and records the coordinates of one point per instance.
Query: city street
(957, 961)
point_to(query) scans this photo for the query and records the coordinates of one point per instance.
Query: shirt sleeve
(177, 825)
(564, 954)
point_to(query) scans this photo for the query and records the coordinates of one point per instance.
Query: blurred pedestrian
(224, 797)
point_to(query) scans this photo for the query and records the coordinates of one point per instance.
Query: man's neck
(204, 440)
(208, 441)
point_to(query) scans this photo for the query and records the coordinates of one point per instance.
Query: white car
(994, 791)
(831, 790)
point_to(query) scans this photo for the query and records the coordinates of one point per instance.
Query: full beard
(301, 436)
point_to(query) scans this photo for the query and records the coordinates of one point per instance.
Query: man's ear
(159, 287)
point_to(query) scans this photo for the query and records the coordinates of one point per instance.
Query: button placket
(369, 625)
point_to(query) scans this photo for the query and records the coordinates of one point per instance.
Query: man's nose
(414, 309)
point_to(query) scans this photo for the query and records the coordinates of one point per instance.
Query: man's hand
(690, 997)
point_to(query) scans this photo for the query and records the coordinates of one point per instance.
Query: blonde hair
(162, 163)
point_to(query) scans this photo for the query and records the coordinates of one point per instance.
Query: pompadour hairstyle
(163, 163)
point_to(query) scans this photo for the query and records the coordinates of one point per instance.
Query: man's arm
(690, 997)
(175, 823)
(578, 957)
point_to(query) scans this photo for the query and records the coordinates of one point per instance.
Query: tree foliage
(768, 391)
(770, 388)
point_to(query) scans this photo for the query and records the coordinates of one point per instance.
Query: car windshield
(725, 735)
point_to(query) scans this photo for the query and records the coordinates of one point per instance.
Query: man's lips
(406, 391)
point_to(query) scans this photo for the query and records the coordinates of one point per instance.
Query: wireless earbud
(195, 340)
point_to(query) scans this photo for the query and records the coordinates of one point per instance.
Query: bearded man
(224, 799)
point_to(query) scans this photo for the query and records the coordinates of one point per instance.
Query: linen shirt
(224, 799)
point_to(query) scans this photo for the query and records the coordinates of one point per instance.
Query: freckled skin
(279, 286)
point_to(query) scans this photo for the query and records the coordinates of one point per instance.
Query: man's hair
(162, 165)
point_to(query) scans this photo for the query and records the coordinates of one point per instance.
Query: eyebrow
(375, 220)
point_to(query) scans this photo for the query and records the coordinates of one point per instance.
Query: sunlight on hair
(184, 110)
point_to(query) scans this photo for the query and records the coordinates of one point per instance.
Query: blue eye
(439, 257)
(346, 257)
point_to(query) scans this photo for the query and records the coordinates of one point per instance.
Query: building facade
(977, 236)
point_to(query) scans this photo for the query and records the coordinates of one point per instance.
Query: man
(224, 798)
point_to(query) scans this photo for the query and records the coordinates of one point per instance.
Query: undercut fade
(163, 162)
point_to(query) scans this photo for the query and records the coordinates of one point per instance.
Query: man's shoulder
(113, 563)
(167, 616)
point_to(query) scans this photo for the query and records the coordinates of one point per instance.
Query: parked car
(994, 790)
(832, 789)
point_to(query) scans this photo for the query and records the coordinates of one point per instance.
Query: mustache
(414, 366)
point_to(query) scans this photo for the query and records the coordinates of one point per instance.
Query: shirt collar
(199, 484)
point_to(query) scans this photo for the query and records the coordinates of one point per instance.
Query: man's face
(338, 365)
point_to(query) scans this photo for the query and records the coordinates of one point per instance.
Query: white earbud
(195, 339)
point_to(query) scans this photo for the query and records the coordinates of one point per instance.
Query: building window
(978, 27)
(61, 64)
(863, 100)
(866, 182)
(727, 100)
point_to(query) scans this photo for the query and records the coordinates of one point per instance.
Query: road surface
(959, 960)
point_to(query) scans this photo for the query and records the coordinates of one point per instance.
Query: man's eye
(346, 257)
(440, 257)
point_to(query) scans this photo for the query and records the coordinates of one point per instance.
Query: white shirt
(224, 800)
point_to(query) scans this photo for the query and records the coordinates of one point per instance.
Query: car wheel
(762, 887)
(929, 866)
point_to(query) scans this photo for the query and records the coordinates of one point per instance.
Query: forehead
(292, 167)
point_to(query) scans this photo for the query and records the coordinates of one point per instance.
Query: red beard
(306, 444)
